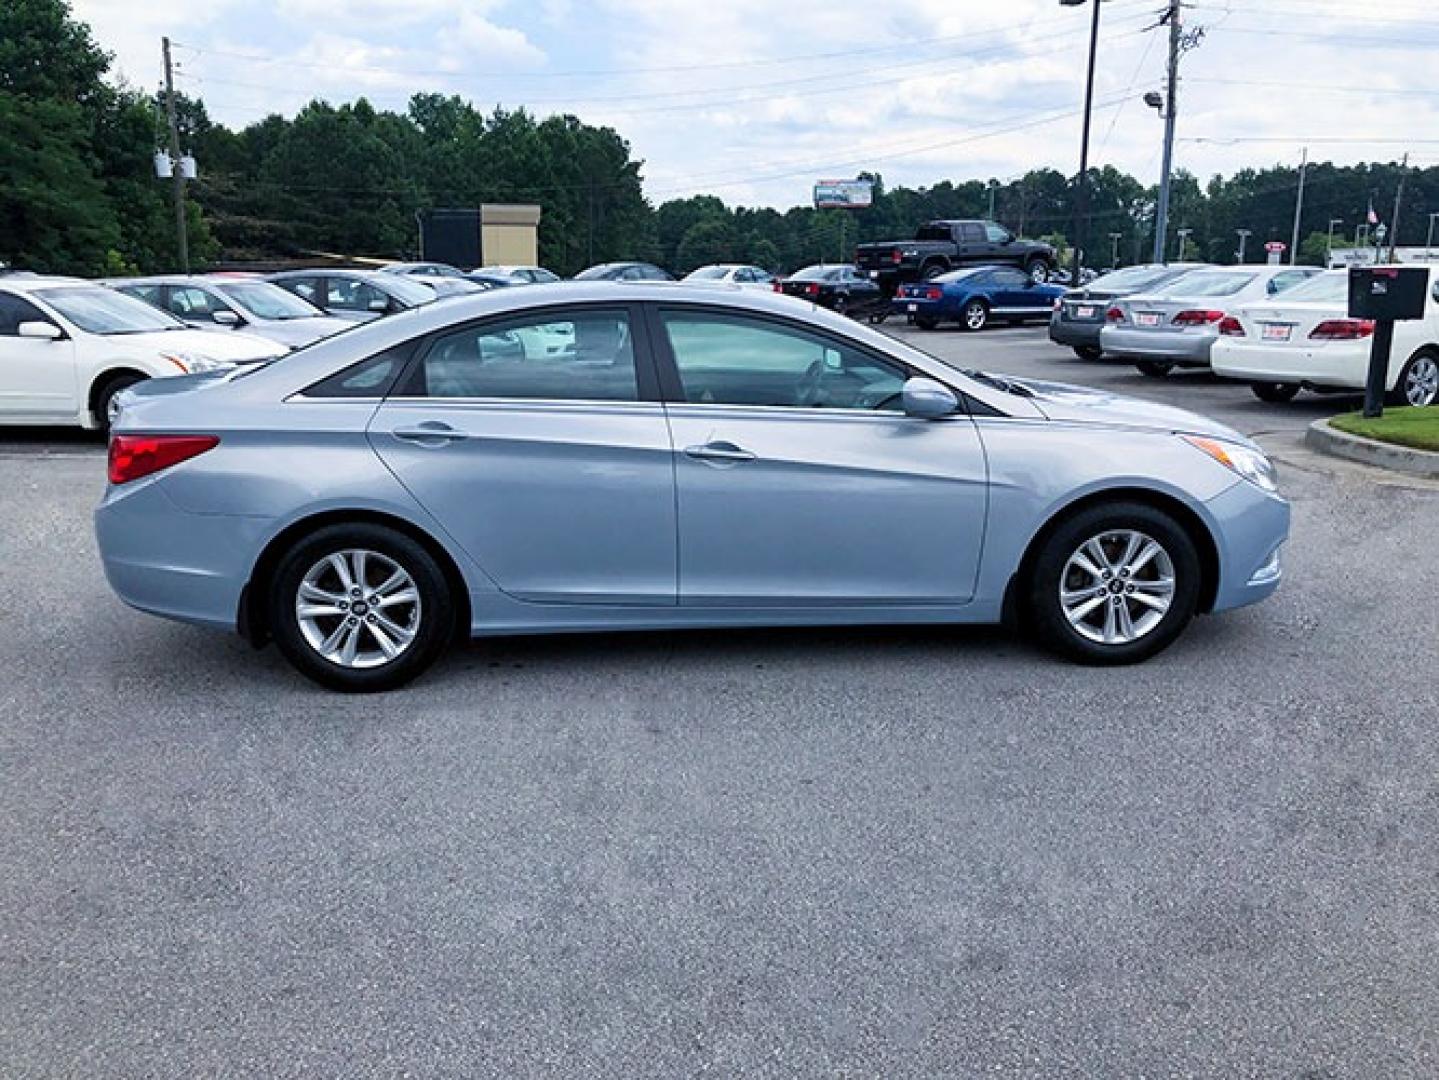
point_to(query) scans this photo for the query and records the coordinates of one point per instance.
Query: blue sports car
(605, 456)
(975, 295)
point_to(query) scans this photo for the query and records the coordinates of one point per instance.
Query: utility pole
(1171, 110)
(1298, 207)
(1398, 202)
(1329, 242)
(181, 239)
(1244, 235)
(1081, 199)
(993, 184)
(1429, 243)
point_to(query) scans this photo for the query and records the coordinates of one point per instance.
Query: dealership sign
(843, 194)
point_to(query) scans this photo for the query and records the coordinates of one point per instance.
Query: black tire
(1155, 369)
(930, 271)
(1417, 384)
(841, 305)
(1275, 393)
(926, 322)
(1045, 611)
(1039, 270)
(975, 315)
(1089, 352)
(433, 616)
(105, 398)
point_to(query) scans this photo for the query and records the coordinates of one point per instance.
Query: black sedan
(837, 286)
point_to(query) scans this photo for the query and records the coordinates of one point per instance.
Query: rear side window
(372, 378)
(548, 356)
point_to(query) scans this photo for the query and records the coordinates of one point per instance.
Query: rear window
(816, 273)
(933, 232)
(1206, 284)
(1135, 278)
(1328, 288)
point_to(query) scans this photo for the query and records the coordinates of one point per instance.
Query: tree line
(78, 193)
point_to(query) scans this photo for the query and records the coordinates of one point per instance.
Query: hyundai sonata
(599, 456)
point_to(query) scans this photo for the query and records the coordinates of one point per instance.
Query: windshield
(266, 301)
(411, 292)
(1330, 288)
(102, 311)
(707, 273)
(1135, 278)
(816, 273)
(1202, 283)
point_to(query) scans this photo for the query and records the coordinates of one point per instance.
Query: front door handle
(429, 433)
(719, 451)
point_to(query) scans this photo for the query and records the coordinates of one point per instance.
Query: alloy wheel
(1421, 381)
(1117, 587)
(975, 316)
(358, 608)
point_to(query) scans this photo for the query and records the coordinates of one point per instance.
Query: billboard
(843, 194)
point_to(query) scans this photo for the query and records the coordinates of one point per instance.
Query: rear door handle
(429, 433)
(719, 451)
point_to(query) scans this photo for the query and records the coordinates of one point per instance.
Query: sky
(754, 100)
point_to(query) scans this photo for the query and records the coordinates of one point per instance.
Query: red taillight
(1115, 314)
(895, 256)
(134, 456)
(933, 294)
(778, 286)
(812, 290)
(1229, 326)
(1342, 329)
(1200, 317)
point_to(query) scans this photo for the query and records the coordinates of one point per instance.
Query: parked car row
(1281, 329)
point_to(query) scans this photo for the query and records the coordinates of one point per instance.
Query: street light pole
(1184, 235)
(1114, 238)
(182, 241)
(993, 186)
(1081, 201)
(1244, 235)
(1298, 207)
(1329, 243)
(1171, 110)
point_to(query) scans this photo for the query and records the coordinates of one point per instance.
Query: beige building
(509, 234)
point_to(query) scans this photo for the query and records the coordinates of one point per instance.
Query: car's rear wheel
(841, 305)
(1155, 369)
(1274, 392)
(1419, 381)
(1114, 584)
(932, 271)
(976, 315)
(107, 400)
(360, 607)
(925, 322)
(1089, 352)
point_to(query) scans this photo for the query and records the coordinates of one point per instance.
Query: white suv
(68, 347)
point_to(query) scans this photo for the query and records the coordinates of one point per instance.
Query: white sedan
(741, 274)
(1306, 340)
(68, 347)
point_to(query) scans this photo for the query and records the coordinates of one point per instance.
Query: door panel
(37, 377)
(806, 507)
(561, 501)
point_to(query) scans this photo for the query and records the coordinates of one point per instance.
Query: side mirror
(40, 331)
(927, 399)
(225, 317)
(379, 304)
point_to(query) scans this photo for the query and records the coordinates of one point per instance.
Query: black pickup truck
(947, 245)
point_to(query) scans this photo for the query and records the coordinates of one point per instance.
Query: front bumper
(1343, 365)
(1187, 348)
(1250, 527)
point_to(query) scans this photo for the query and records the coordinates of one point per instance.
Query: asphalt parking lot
(862, 853)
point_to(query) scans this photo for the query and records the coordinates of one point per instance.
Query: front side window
(148, 293)
(1287, 280)
(14, 310)
(972, 234)
(350, 294)
(1010, 279)
(306, 288)
(191, 303)
(736, 360)
(582, 356)
(996, 234)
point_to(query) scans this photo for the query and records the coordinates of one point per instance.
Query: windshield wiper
(997, 383)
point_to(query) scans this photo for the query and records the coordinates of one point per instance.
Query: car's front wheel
(107, 399)
(1089, 352)
(976, 315)
(1155, 369)
(1114, 584)
(360, 607)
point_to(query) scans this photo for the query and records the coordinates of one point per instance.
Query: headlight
(190, 363)
(1250, 464)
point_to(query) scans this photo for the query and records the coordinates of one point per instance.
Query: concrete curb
(1330, 440)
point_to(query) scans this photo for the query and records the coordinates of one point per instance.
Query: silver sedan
(598, 456)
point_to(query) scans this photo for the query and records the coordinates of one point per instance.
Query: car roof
(325, 271)
(18, 284)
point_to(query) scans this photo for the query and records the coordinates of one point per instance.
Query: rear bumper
(165, 561)
(1250, 528)
(1074, 334)
(1337, 364)
(1188, 348)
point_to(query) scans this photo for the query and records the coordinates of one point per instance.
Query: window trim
(646, 380)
